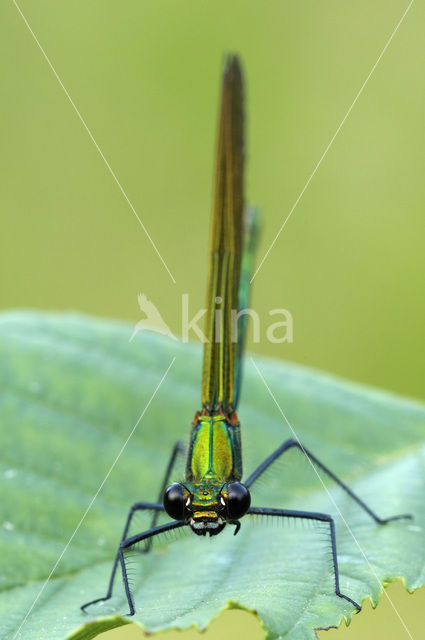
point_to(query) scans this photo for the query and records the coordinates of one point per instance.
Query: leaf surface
(71, 390)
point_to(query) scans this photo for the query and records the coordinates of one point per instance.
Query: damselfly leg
(157, 509)
(311, 515)
(290, 444)
(130, 542)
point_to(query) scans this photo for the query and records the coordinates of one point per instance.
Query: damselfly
(212, 495)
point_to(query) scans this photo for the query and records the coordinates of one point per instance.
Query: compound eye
(238, 500)
(174, 501)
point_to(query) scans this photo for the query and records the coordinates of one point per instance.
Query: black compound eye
(174, 501)
(238, 500)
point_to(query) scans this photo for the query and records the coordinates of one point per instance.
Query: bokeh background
(349, 265)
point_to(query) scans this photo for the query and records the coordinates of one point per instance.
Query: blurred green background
(349, 264)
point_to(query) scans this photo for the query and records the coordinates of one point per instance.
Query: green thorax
(215, 449)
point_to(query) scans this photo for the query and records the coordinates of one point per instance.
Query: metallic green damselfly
(213, 496)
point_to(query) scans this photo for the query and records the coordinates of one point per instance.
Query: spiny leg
(288, 444)
(137, 506)
(126, 544)
(142, 506)
(310, 515)
(177, 450)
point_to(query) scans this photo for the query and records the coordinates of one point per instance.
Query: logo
(277, 332)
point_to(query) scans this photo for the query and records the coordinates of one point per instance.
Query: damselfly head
(207, 506)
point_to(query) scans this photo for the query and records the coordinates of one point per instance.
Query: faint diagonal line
(331, 498)
(94, 142)
(93, 499)
(333, 138)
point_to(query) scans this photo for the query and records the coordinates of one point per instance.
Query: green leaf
(72, 388)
